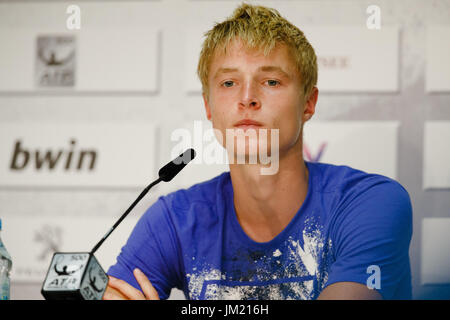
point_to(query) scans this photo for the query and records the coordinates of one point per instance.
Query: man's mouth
(246, 124)
(246, 127)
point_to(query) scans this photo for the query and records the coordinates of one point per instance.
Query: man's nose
(249, 96)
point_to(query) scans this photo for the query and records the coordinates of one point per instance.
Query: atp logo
(92, 281)
(307, 154)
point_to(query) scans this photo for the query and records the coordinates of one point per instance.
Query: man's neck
(265, 204)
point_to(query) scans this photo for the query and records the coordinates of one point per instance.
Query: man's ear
(207, 106)
(310, 105)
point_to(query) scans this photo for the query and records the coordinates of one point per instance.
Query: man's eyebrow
(262, 68)
(274, 69)
(224, 70)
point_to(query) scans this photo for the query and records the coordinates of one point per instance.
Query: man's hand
(120, 290)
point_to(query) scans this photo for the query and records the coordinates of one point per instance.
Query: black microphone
(170, 170)
(78, 275)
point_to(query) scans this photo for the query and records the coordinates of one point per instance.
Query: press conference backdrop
(88, 115)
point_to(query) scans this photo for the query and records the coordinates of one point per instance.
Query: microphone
(79, 275)
(170, 170)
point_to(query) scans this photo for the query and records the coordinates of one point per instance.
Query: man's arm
(373, 228)
(349, 291)
(153, 248)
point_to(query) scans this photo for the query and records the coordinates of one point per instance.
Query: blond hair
(262, 28)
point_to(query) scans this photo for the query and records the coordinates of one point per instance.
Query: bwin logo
(70, 159)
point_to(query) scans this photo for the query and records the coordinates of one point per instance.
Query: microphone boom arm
(166, 174)
(143, 193)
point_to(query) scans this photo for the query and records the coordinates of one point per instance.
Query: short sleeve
(154, 249)
(372, 234)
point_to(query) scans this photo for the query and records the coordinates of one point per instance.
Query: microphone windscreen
(170, 170)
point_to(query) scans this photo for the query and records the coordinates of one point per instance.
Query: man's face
(246, 84)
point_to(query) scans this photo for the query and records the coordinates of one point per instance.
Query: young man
(306, 231)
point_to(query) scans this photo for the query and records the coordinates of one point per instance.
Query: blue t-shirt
(353, 226)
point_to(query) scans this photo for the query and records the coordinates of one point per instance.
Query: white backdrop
(384, 107)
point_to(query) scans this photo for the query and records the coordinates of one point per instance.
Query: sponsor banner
(31, 241)
(368, 62)
(437, 62)
(86, 60)
(77, 155)
(436, 159)
(369, 146)
(435, 259)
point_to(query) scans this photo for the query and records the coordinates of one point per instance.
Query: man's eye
(272, 83)
(228, 83)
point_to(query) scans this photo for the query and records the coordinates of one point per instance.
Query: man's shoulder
(343, 179)
(357, 189)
